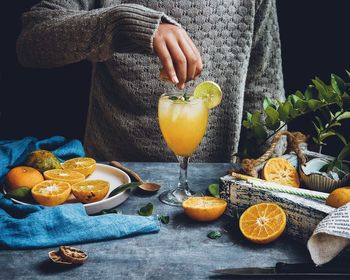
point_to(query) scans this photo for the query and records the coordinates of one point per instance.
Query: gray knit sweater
(238, 40)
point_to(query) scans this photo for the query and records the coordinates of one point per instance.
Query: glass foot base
(176, 197)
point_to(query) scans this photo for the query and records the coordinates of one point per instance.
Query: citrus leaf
(124, 187)
(214, 234)
(164, 219)
(294, 98)
(319, 122)
(344, 153)
(314, 104)
(342, 138)
(249, 116)
(299, 94)
(214, 190)
(337, 84)
(247, 124)
(327, 134)
(272, 114)
(146, 210)
(301, 104)
(256, 118)
(268, 103)
(260, 132)
(322, 89)
(309, 93)
(343, 116)
(22, 193)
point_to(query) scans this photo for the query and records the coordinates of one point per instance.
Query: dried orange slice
(204, 208)
(263, 223)
(51, 192)
(83, 165)
(68, 176)
(281, 171)
(90, 190)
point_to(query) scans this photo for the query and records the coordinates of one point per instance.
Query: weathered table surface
(181, 250)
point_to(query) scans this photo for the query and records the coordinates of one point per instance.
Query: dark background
(46, 102)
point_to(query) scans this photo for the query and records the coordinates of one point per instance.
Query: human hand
(181, 59)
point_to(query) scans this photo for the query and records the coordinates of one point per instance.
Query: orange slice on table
(281, 171)
(51, 192)
(90, 190)
(204, 208)
(68, 176)
(263, 223)
(83, 165)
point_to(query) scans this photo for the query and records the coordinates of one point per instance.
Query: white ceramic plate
(115, 177)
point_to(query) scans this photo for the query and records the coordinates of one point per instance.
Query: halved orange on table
(51, 192)
(90, 190)
(204, 208)
(83, 165)
(281, 171)
(68, 176)
(263, 223)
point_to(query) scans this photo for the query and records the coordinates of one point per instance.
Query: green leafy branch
(331, 101)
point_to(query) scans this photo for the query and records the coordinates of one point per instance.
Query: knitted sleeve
(55, 33)
(264, 77)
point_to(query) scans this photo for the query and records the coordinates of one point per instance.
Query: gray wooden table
(181, 250)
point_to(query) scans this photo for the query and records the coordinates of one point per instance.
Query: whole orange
(338, 197)
(23, 176)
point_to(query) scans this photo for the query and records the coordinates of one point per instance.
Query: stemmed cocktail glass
(183, 120)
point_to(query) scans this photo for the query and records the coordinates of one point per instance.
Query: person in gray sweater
(232, 42)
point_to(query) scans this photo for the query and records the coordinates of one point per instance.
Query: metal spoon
(146, 186)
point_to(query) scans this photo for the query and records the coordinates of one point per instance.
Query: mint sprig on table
(146, 210)
(215, 234)
(213, 189)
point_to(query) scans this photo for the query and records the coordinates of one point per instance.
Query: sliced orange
(68, 176)
(51, 192)
(263, 223)
(90, 190)
(83, 165)
(204, 208)
(281, 171)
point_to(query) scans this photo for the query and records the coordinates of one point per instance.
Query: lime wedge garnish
(210, 91)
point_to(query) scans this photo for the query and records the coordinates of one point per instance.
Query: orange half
(281, 171)
(204, 208)
(263, 223)
(51, 193)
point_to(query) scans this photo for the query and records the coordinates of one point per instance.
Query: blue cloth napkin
(34, 226)
(14, 152)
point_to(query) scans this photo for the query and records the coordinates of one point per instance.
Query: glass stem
(183, 161)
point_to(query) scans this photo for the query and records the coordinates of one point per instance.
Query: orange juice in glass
(183, 122)
(183, 119)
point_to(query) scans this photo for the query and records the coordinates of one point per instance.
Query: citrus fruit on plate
(23, 176)
(51, 192)
(113, 175)
(90, 190)
(281, 171)
(204, 208)
(68, 176)
(42, 160)
(83, 165)
(263, 223)
(338, 197)
(210, 91)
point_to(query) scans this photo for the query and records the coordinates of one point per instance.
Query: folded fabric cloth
(34, 226)
(331, 236)
(14, 152)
